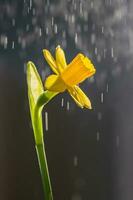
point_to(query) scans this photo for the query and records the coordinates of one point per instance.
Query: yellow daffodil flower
(67, 77)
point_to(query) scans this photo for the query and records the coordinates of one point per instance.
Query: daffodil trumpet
(65, 77)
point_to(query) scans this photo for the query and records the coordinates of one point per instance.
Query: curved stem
(40, 148)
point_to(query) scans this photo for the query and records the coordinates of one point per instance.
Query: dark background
(89, 152)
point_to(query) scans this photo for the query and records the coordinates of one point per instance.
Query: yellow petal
(78, 70)
(50, 60)
(60, 59)
(73, 94)
(55, 84)
(84, 100)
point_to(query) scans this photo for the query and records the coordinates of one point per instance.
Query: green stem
(44, 171)
(40, 148)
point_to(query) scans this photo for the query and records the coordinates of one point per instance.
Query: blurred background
(90, 153)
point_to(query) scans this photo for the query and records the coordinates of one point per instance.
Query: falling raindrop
(48, 3)
(102, 29)
(40, 32)
(107, 88)
(47, 30)
(4, 41)
(102, 97)
(62, 102)
(30, 4)
(68, 105)
(52, 21)
(27, 27)
(55, 29)
(13, 22)
(46, 121)
(92, 4)
(112, 52)
(73, 19)
(76, 38)
(96, 50)
(81, 8)
(66, 17)
(13, 45)
(104, 53)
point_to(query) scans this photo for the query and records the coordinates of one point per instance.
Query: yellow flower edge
(68, 77)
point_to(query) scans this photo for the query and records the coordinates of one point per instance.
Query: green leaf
(37, 99)
(35, 90)
(35, 86)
